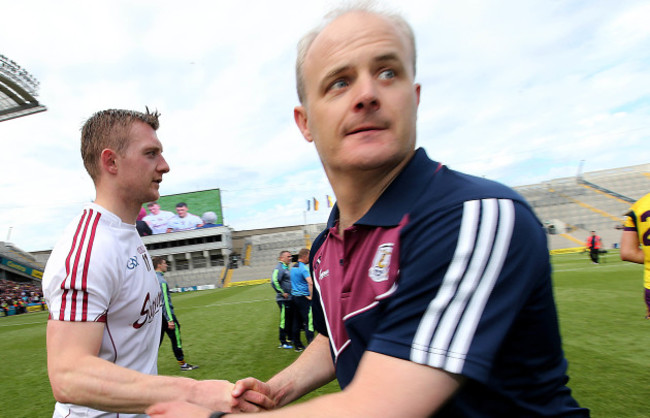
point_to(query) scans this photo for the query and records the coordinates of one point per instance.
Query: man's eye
(338, 84)
(386, 74)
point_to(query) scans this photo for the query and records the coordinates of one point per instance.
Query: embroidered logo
(381, 263)
(132, 263)
(323, 274)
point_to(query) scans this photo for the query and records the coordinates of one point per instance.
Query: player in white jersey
(183, 220)
(102, 292)
(82, 284)
(157, 219)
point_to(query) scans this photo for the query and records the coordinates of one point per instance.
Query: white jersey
(100, 271)
(158, 223)
(182, 224)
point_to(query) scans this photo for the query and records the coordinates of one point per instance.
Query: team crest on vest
(381, 263)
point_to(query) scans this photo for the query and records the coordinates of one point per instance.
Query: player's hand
(252, 395)
(171, 325)
(177, 409)
(213, 394)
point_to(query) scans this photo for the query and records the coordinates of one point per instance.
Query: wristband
(217, 414)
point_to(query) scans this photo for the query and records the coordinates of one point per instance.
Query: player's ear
(107, 161)
(300, 116)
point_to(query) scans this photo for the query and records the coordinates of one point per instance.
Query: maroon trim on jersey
(110, 338)
(78, 243)
(350, 285)
(64, 298)
(84, 279)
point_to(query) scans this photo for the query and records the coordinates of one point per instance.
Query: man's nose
(367, 95)
(163, 166)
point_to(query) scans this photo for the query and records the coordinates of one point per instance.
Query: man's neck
(126, 211)
(357, 192)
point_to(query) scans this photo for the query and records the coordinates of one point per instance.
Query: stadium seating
(263, 251)
(572, 207)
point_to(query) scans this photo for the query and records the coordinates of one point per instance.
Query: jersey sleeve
(167, 310)
(630, 221)
(82, 280)
(305, 272)
(465, 275)
(275, 280)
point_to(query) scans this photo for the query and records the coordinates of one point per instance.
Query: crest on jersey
(381, 263)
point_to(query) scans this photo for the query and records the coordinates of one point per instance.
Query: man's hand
(251, 395)
(177, 409)
(213, 394)
(251, 392)
(171, 325)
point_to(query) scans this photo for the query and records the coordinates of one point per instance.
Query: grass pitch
(232, 333)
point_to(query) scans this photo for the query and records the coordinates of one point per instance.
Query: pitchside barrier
(568, 250)
(248, 282)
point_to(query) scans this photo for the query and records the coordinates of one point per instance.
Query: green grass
(232, 333)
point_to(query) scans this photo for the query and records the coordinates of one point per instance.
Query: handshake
(246, 395)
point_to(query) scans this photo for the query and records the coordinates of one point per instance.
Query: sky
(516, 91)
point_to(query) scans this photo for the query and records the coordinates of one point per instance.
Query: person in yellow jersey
(635, 241)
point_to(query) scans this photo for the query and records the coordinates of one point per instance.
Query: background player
(157, 219)
(170, 324)
(301, 291)
(183, 220)
(635, 241)
(281, 283)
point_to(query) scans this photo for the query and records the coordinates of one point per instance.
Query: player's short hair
(156, 261)
(109, 129)
(367, 6)
(284, 251)
(304, 252)
(150, 204)
(181, 204)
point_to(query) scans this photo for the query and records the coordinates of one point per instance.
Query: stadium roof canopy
(18, 89)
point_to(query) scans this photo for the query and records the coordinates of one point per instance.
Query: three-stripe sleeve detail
(74, 301)
(447, 328)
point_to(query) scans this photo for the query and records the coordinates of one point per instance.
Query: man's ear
(300, 116)
(107, 161)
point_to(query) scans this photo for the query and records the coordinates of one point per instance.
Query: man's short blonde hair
(109, 129)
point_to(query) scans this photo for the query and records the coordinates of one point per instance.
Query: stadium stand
(18, 91)
(262, 250)
(18, 265)
(196, 257)
(571, 207)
